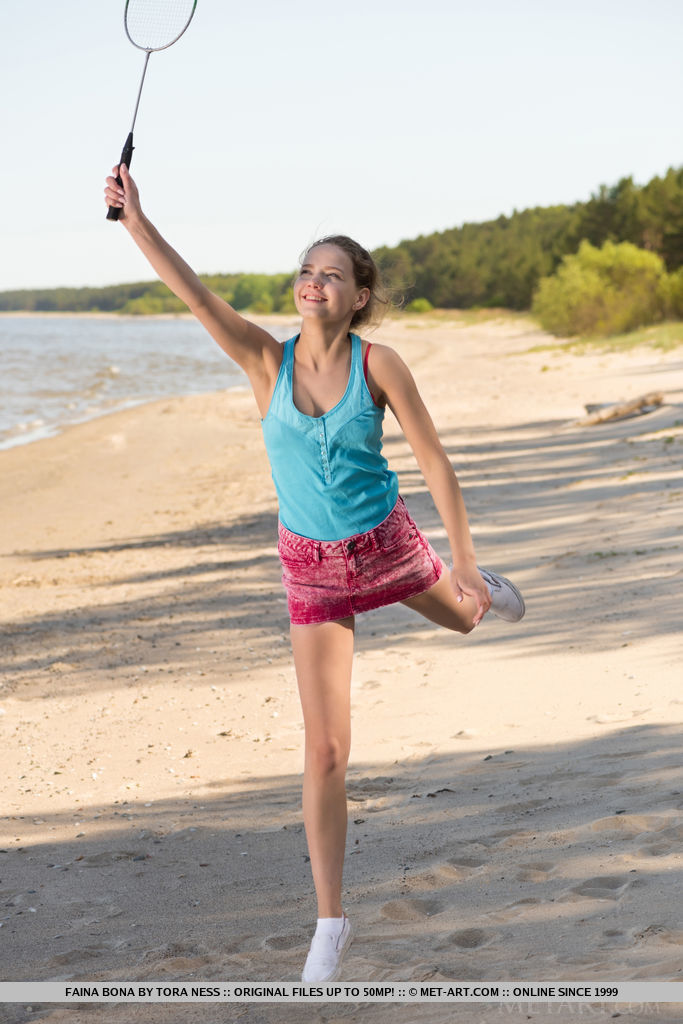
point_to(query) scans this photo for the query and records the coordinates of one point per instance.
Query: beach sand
(515, 796)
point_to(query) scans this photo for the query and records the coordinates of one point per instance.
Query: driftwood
(622, 409)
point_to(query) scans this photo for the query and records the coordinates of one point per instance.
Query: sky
(271, 123)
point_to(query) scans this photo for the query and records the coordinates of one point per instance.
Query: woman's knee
(464, 625)
(328, 755)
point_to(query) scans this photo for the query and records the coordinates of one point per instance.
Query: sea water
(60, 370)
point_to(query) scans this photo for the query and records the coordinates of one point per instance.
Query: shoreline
(27, 421)
(23, 440)
(277, 319)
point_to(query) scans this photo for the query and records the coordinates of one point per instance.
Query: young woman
(346, 541)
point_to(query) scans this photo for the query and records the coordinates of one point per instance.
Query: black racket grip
(114, 212)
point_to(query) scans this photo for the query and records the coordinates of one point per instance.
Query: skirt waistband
(374, 539)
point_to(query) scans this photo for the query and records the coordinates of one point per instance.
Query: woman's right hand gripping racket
(150, 25)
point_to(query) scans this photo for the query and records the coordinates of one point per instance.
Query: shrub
(419, 306)
(603, 291)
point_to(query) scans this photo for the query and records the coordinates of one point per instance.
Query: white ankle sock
(330, 926)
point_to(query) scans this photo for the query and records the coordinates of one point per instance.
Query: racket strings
(155, 24)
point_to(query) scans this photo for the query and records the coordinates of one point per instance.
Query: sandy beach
(515, 796)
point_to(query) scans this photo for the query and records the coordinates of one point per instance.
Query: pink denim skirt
(328, 580)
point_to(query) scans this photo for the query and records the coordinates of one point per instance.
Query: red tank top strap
(365, 361)
(365, 373)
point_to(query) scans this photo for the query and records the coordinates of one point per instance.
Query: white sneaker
(506, 601)
(325, 956)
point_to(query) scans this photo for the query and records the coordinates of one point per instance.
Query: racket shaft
(114, 212)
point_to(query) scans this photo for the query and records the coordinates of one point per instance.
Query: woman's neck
(322, 343)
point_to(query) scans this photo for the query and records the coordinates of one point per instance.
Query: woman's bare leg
(323, 655)
(439, 604)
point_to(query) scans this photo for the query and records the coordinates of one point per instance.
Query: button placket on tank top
(321, 431)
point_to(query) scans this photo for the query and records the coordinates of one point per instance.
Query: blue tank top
(331, 478)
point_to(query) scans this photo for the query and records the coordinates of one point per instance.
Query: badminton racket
(150, 25)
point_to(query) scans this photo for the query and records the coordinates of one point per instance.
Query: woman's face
(326, 288)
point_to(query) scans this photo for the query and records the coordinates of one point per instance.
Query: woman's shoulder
(385, 371)
(376, 346)
(382, 356)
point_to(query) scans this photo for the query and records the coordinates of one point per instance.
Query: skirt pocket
(396, 530)
(295, 556)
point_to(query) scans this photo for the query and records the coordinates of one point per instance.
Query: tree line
(496, 263)
(261, 293)
(501, 262)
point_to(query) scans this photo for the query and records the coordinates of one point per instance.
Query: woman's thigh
(323, 657)
(439, 604)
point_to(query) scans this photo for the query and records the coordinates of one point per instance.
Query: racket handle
(114, 212)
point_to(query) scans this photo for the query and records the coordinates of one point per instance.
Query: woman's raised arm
(254, 349)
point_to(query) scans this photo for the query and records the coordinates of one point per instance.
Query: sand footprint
(512, 839)
(603, 887)
(661, 849)
(370, 793)
(463, 861)
(505, 838)
(514, 910)
(632, 824)
(361, 789)
(535, 871)
(428, 881)
(177, 958)
(615, 938)
(410, 909)
(455, 869)
(468, 938)
(666, 843)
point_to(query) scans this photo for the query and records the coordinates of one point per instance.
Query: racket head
(157, 24)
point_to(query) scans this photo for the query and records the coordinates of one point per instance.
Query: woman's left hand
(467, 582)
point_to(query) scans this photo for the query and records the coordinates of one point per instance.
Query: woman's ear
(362, 299)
